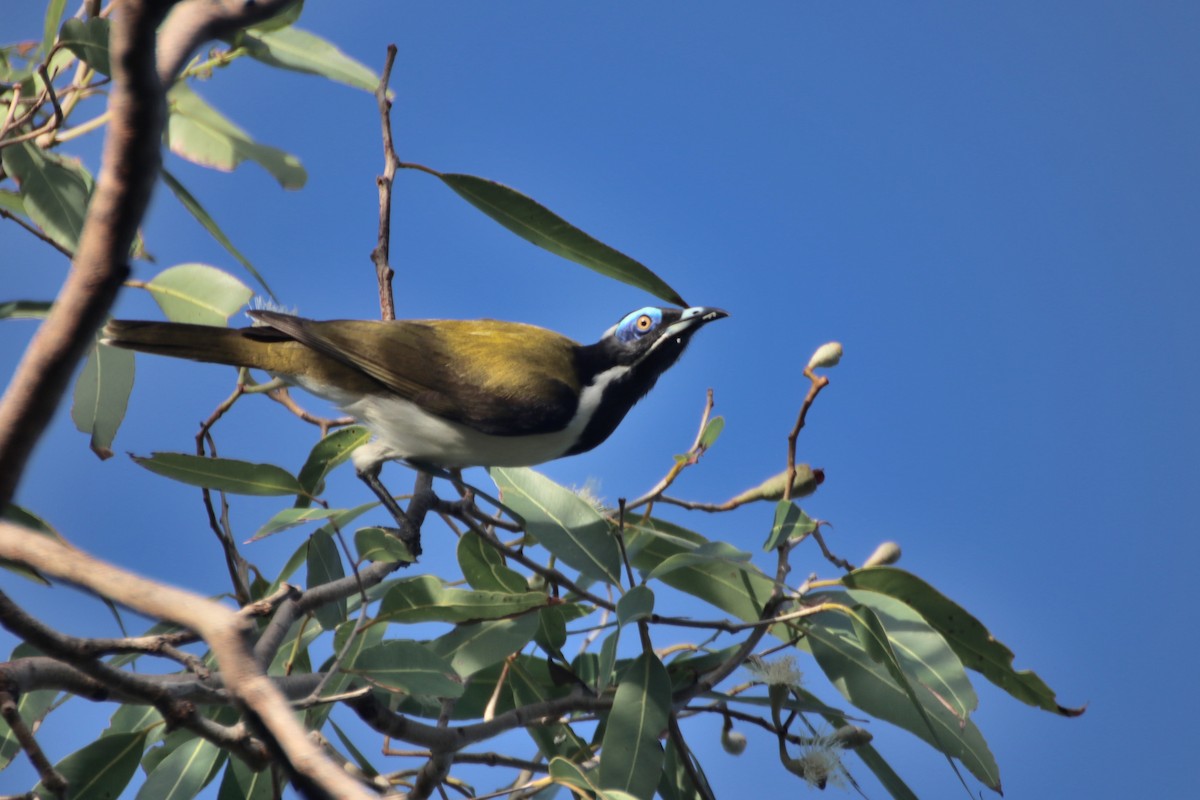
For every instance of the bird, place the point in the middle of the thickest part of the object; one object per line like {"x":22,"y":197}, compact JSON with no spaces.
{"x":447,"y":394}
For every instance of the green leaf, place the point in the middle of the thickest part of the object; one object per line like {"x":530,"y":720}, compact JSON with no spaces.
{"x":710,"y":552}
{"x":88,"y":40}
{"x":872,"y":686}
{"x":332,"y":450}
{"x":477,"y":645}
{"x":188,"y":200}
{"x":296,"y":49}
{"x":324,"y":566}
{"x":198,"y":293}
{"x":608,"y":660}
{"x":199,"y":133}
{"x":102,"y":769}
{"x":407,"y":666}
{"x":631,"y":757}
{"x":293,"y":517}
{"x":553,"y":737}
{"x":568,"y":773}
{"x":242,"y":783}
{"x":924,"y":655}
{"x":54,"y":14}
{"x":790,"y":523}
{"x":379,"y":544}
{"x":484,"y":567}
{"x":55,"y":191}
{"x":534,"y":222}
{"x":738,"y":588}
{"x":424,"y":599}
{"x":182,"y":774}
{"x":637,"y":603}
{"x":222,"y":474}
{"x":11,"y":201}
{"x":973,"y":643}
{"x":25,"y":309}
{"x":102,"y":395}
{"x":711,"y":431}
{"x":562,"y":521}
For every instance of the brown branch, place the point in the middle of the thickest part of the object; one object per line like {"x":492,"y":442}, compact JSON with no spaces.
{"x":6,"y":214}
{"x":128,"y":171}
{"x":381,"y":254}
{"x":819,"y":382}
{"x":225,"y":631}
{"x":51,"y":778}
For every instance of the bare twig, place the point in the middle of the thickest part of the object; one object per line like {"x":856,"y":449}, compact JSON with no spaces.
{"x":693,"y":454}
{"x":381,"y":254}
{"x":819,"y":382}
{"x":51,"y":778}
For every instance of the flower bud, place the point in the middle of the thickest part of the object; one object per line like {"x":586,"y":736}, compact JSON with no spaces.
{"x":827,"y":355}
{"x":733,"y":742}
{"x":886,"y":553}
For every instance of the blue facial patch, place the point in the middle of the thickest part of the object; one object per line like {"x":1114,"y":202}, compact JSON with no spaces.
{"x":639,"y":323}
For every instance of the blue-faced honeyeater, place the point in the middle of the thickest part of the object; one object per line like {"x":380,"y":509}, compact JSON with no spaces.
{"x":448,"y":393}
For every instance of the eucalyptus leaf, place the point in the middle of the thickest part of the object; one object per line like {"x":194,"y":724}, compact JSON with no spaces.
{"x":410,"y":667}
{"x":534,"y":222}
{"x":25,"y":309}
{"x":563,"y":522}
{"x":474,"y":646}
{"x":379,"y":544}
{"x":333,"y":449}
{"x":484,"y":567}
{"x":199,"y":133}
{"x":637,"y":603}
{"x":55,"y":191}
{"x":88,"y":40}
{"x":182,"y":774}
{"x":198,"y":293}
{"x":425,"y":599}
{"x":102,"y":769}
{"x":102,"y":395}
{"x":189,"y":202}
{"x":631,"y":756}
{"x":325,"y":566}
{"x":973,"y":643}
{"x":222,"y":474}
{"x":296,"y":49}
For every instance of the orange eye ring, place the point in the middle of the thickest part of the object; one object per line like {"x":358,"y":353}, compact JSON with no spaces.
{"x":644,"y":323}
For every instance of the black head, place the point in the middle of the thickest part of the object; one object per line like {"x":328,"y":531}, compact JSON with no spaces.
{"x":629,"y":358}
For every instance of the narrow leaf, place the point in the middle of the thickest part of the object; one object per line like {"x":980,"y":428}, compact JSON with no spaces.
{"x":425,"y":599}
{"x":296,"y":49}
{"x":102,"y":395}
{"x":332,"y":450}
{"x":188,"y":200}
{"x":410,"y":667}
{"x":631,"y":757}
{"x":709,"y":552}
{"x":324,"y":566}
{"x":198,"y":293}
{"x":973,"y":643}
{"x":198,"y":132}
{"x":182,"y":774}
{"x":562,"y":521}
{"x":55,"y":191}
{"x":534,"y":222}
{"x":102,"y":769}
{"x":24,"y":309}
{"x":637,"y":603}
{"x":54,"y":14}
{"x":484,"y":567}
{"x":378,"y":544}
{"x":790,"y":523}
{"x":477,"y":645}
{"x":88,"y":40}
{"x":222,"y":474}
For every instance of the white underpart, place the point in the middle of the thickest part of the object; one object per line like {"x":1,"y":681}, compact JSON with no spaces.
{"x":403,"y":430}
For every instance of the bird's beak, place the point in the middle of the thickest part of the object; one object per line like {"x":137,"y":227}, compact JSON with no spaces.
{"x":694,"y":317}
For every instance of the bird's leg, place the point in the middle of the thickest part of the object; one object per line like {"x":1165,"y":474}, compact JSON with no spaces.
{"x":408,"y":532}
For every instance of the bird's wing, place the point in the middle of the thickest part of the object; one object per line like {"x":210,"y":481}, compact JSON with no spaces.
{"x":502,"y":378}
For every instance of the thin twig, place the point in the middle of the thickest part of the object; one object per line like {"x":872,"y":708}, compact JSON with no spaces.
{"x":693,"y":455}
{"x":381,"y":254}
{"x":51,"y":778}
{"x":819,"y":382}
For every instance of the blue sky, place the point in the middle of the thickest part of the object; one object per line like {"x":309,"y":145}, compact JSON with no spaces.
{"x":993,"y":206}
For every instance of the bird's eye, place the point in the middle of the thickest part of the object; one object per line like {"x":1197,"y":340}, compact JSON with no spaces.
{"x":637,"y":324}
{"x":644,"y":323}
